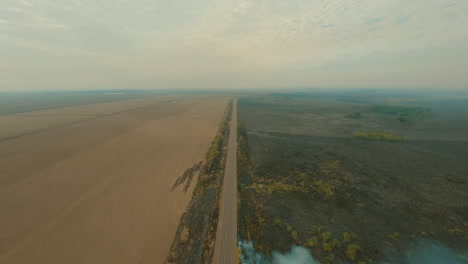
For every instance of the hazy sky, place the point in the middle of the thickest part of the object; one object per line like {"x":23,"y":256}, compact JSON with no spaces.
{"x":102,"y":44}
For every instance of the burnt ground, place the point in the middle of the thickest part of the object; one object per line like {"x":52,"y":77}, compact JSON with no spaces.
{"x":305,"y":179}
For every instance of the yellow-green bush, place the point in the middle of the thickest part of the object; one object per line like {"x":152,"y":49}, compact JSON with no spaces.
{"x":351,"y":251}
{"x":335,"y":243}
{"x":395,"y":236}
{"x":313,"y":241}
{"x":326,"y":236}
{"x":326,"y":247}
{"x":379,"y":136}
{"x":294,"y":234}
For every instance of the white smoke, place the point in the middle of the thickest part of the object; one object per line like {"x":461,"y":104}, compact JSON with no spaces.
{"x":422,"y":252}
{"x":297,"y":255}
{"x":431,"y":252}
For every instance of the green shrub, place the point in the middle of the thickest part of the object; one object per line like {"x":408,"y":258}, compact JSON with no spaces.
{"x":294,"y":234}
{"x":352,"y":250}
{"x":326,"y":236}
{"x":326,"y":247}
{"x":313,"y":241}
{"x":335,"y":243}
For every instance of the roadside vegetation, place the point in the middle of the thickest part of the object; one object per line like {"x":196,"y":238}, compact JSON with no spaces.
{"x":195,"y":238}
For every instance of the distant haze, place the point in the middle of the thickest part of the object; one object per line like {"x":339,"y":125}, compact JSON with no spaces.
{"x":143,"y":44}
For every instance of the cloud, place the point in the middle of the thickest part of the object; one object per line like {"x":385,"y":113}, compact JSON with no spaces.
{"x":374,"y":21}
{"x":215,"y":43}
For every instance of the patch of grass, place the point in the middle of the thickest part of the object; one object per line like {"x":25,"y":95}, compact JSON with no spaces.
{"x":378,"y":136}
{"x":324,"y":187}
{"x":329,"y":167}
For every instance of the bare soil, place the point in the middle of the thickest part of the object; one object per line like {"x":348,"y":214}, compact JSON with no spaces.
{"x":99,"y":190}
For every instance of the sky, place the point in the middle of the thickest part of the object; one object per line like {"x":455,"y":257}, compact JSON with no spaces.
{"x":227,"y":44}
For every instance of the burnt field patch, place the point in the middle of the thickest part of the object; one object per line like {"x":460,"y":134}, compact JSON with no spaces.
{"x":344,"y":197}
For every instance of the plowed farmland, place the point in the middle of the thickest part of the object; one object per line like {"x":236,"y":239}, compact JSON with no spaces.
{"x":93,"y":183}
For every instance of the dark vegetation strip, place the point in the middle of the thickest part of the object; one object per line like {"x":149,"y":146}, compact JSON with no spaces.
{"x":403,"y":113}
{"x":187,"y":177}
{"x":195,"y":237}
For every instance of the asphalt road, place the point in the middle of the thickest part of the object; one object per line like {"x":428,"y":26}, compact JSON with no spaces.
{"x":226,"y":235}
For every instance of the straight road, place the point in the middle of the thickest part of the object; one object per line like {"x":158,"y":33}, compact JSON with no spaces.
{"x":226,"y":234}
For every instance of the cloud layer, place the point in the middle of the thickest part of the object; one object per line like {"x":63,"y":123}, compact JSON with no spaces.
{"x":85,"y":44}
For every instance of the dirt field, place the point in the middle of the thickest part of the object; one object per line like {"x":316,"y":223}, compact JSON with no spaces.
{"x":92,"y":184}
